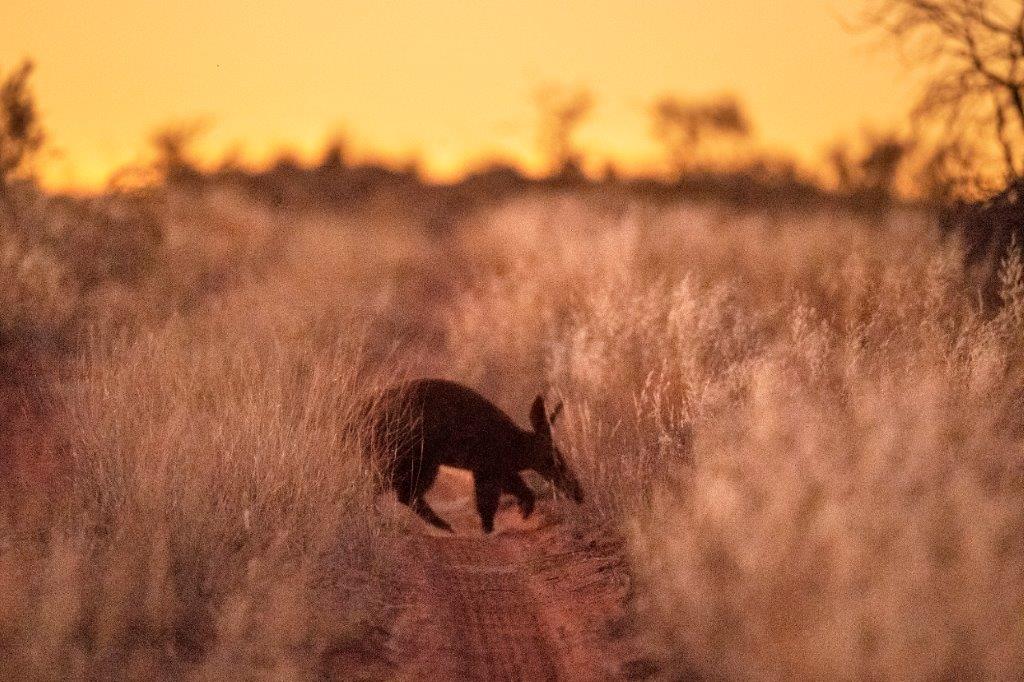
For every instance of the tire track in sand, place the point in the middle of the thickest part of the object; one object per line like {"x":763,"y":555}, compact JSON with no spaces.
{"x":480,"y":621}
{"x":531,"y":602}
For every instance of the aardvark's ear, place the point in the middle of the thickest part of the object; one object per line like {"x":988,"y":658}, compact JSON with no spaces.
{"x":554,"y":415}
{"x":538,"y":416}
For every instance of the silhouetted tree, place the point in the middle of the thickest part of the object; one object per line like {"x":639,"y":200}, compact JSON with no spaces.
{"x":945,"y":170}
{"x":973,"y":53}
{"x":870,"y":168}
{"x":21,"y":133}
{"x":335,"y":156}
{"x":562,"y":110}
{"x":842,"y":163}
{"x":337,"y":152}
{"x":175,"y":148}
{"x":21,"y":136}
{"x":683,"y":127}
{"x":881,"y":163}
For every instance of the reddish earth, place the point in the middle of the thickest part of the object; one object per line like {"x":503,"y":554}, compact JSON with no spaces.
{"x":537,"y":600}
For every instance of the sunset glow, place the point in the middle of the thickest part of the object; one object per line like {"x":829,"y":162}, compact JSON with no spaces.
{"x":449,"y":82}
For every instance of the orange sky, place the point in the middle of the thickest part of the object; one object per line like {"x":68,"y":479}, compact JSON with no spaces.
{"x":448,"y":80}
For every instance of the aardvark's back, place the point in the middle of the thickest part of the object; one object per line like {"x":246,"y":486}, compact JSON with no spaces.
{"x":449,"y":423}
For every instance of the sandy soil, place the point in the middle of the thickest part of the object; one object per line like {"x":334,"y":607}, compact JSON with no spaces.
{"x":534,"y":601}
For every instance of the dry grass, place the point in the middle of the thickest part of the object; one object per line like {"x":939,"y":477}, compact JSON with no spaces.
{"x":809,"y":429}
{"x":804,"y":424}
{"x":210,"y":512}
{"x":218,"y":510}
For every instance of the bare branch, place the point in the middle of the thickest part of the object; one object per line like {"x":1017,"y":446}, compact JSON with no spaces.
{"x":973,"y":53}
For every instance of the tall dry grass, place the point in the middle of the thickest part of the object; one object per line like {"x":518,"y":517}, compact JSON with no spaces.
{"x":804,"y":424}
{"x":212,"y":510}
{"x":808,"y":428}
{"x":217,"y":515}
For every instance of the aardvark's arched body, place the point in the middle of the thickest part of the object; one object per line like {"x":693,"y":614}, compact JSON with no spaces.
{"x":423,"y":424}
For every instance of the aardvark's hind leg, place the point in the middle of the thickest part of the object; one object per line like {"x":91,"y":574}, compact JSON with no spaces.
{"x":514,"y":485}
{"x":408,"y":496}
{"x":411,"y":484}
{"x":488,"y":490}
{"x":420,"y":506}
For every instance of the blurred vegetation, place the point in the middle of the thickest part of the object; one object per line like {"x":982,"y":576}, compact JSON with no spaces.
{"x":869,"y":167}
{"x":165,"y":232}
{"x":971,"y":108}
{"x":21,"y":133}
{"x":684,"y":127}
{"x":561,"y":112}
{"x":200,"y":331}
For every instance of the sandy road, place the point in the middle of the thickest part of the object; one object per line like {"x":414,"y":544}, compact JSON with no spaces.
{"x":478,"y":620}
{"x":531,"y":602}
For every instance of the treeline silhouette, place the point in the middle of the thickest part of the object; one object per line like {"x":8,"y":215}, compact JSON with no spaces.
{"x":708,"y":145}
{"x":335,"y":182}
{"x":61,"y":254}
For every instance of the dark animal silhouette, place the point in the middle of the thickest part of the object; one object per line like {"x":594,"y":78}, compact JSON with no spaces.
{"x":988,"y":230}
{"x":420,"y":425}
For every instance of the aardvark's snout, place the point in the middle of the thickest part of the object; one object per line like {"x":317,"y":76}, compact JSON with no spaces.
{"x":568,"y":484}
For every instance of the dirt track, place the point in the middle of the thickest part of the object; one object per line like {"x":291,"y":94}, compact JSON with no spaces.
{"x":531,"y":602}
